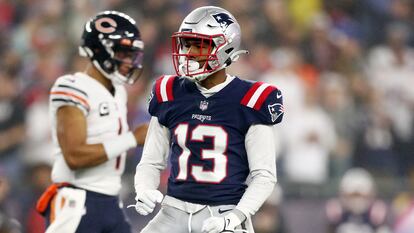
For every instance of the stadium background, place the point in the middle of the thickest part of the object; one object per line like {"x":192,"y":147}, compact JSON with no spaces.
{"x":346,"y":68}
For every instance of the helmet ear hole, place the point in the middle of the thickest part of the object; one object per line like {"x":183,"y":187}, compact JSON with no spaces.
{"x":228,"y":51}
{"x":228,"y":62}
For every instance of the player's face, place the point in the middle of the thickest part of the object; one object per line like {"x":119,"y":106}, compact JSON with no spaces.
{"x":356,"y":202}
{"x":127,"y":61}
{"x":197,"y":49}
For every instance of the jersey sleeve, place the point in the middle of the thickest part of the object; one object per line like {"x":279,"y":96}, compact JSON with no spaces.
{"x":68,"y":91}
{"x":263,"y":104}
{"x":161,"y":95}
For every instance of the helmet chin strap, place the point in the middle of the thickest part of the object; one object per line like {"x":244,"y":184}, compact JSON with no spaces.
{"x":191,"y":67}
{"x":194,"y":66}
{"x":116,"y":77}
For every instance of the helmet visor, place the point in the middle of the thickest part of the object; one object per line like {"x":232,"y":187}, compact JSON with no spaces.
{"x":129,"y":63}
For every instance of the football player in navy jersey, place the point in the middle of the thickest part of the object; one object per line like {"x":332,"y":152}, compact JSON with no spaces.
{"x":217,"y":129}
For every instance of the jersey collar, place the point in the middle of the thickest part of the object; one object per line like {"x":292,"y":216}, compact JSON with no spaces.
{"x":209,"y":92}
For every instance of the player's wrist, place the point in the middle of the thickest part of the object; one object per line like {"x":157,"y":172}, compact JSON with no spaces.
{"x":119,"y":144}
{"x":242,"y":213}
{"x":236,"y":217}
{"x":131,"y":140}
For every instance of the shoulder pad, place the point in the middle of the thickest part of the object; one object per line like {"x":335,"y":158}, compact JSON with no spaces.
{"x":266,"y":103}
{"x":67,"y":90}
{"x":164,"y":88}
{"x":70,"y":83}
{"x":257,"y":94}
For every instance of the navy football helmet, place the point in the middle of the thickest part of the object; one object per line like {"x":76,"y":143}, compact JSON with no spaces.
{"x":113,"y":42}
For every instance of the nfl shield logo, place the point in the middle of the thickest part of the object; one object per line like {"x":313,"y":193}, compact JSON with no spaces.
{"x":203,"y":105}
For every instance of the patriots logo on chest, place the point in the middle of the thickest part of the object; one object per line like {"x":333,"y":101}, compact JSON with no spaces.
{"x":223,"y":19}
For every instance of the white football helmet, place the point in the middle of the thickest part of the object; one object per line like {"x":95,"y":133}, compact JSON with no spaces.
{"x":357,"y":180}
{"x":211,"y":26}
{"x":357,"y":190}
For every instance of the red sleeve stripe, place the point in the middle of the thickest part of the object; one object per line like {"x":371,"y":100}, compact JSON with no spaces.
{"x":170,"y":83}
{"x":257,"y":94}
{"x":263,"y":97}
{"x":164,"y":88}
{"x":80,"y":99}
{"x":158,"y":89}
{"x":250,"y":93}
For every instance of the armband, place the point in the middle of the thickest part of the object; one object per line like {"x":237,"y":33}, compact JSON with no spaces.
{"x":118,"y":145}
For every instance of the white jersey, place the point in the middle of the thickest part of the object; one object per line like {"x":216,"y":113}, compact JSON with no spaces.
{"x":106,"y":118}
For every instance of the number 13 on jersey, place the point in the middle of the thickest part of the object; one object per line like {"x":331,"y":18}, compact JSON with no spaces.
{"x":217,"y":154}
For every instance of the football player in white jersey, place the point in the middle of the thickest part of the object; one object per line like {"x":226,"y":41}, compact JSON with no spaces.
{"x":90,"y":131}
{"x":218,"y":129}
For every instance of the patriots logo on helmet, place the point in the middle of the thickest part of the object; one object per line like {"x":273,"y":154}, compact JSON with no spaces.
{"x":275,"y":110}
{"x":223,"y":19}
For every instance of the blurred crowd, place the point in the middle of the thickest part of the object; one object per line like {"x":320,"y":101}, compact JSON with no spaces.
{"x":345,"y":67}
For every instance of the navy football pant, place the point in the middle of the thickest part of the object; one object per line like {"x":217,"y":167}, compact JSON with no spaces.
{"x":79,"y":211}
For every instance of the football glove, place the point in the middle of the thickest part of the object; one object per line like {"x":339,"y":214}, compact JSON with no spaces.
{"x":146,"y":201}
{"x":228,"y":223}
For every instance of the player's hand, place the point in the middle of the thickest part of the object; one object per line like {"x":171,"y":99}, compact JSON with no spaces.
{"x":146,"y":201}
{"x":140,"y":133}
{"x":228,"y":223}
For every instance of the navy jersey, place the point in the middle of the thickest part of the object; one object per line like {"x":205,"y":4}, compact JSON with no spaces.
{"x":208,"y":156}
